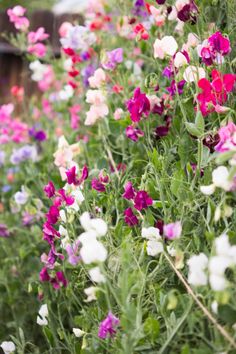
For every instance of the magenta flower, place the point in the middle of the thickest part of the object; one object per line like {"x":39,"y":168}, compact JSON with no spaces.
{"x":219,"y":43}
{"x":66,"y":198}
{"x":129,"y":191}
{"x":53,"y":214}
{"x":130,"y":218}
{"x":188,"y":12}
{"x":4,"y":232}
{"x":138,"y":105}
{"x":142,"y":200}
{"x":173,"y":230}
{"x":133,"y":133}
{"x":112,"y":58}
{"x":97,"y":185}
{"x":71,"y":176}
{"x":59,"y":280}
{"x":103,"y":177}
{"x":43,"y":275}
{"x":174,"y":86}
{"x":49,"y":233}
{"x":108,"y":326}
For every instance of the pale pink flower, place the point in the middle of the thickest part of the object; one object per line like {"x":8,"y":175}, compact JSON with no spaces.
{"x":98,"y":78}
{"x":173,"y":230}
{"x":64,"y":28}
{"x":165,"y":46}
{"x":38,"y":36}
{"x":118,"y":113}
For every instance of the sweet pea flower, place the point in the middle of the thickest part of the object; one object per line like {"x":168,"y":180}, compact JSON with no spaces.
{"x":16,"y":16}
{"x":165,"y":46}
{"x":21,"y":197}
{"x":8,"y":347}
{"x":220,"y":179}
{"x":38,"y":36}
{"x":180,"y":60}
{"x":72,"y":251}
{"x":227,"y":140}
{"x":173,"y":230}
{"x":98,"y":78}
{"x":129,"y":191}
{"x":112,"y":58}
{"x":78,"y":332}
{"x":96,"y":275}
{"x":43,"y":314}
{"x":142,"y":200}
{"x":194,"y":74}
{"x":118,"y":113}
{"x":64,"y":28}
{"x":138,"y":105}
{"x":78,"y":38}
{"x":90,"y":293}
{"x":133,"y":133}
{"x":197,"y":269}
{"x":108,"y":326}
{"x":38,"y":69}
{"x":130,"y":218}
{"x":154,"y":244}
{"x":98,"y":109}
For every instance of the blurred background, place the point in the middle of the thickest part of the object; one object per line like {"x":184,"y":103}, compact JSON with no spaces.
{"x":49,"y":14}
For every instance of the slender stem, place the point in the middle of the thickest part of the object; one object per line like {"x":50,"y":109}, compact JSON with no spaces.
{"x":224,"y":333}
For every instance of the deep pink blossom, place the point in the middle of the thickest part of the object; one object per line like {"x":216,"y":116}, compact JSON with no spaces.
{"x":49,"y":189}
{"x":219,"y":43}
{"x":53,"y":214}
{"x":108,"y":326}
{"x":138,"y":105}
{"x":71,"y":175}
{"x":59,"y":280}
{"x":142,"y":200}
{"x":130,"y":218}
{"x":66,"y":198}
{"x":37,"y":49}
{"x":49,"y":233}
{"x":43,"y":275}
{"x":129,"y":191}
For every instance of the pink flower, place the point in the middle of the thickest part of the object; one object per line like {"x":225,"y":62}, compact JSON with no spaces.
{"x":38,"y":36}
{"x":133,"y":133}
{"x":38,"y":49}
{"x":129,"y":191}
{"x":74,"y":117}
{"x":118,"y":113}
{"x":49,"y":189}
{"x":138,"y":105}
{"x":173,"y":230}
{"x":227,"y":138}
{"x":98,"y":78}
{"x":16,"y":16}
{"x":66,"y":198}
{"x":142,"y":200}
{"x":53,"y":214}
{"x":108,"y":326}
{"x":43,"y":275}
{"x":130,"y":218}
{"x":59,"y":281}
{"x":64,"y":28}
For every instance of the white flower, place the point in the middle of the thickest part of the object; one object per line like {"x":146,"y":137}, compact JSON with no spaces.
{"x":97,"y":225}
{"x":208,"y":190}
{"x":96,"y":275}
{"x":172,"y":251}
{"x":151,"y":233}
{"x":193,"y":74}
{"x":91,"y":293}
{"x":43,"y":314}
{"x":222,"y":245}
{"x":180,"y":60}
{"x":219,"y":264}
{"x":197,"y":265}
{"x":8,"y":347}
{"x":66,"y":93}
{"x":38,"y":70}
{"x":93,"y":252}
{"x":165,"y":46}
{"x":78,"y":197}
{"x":21,"y":197}
{"x":78,"y":332}
{"x":220,"y":178}
{"x":217,"y":282}
{"x":214,"y":306}
{"x":154,"y":248}
{"x":63,"y":215}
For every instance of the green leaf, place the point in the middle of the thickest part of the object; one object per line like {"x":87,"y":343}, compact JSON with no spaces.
{"x":151,"y":328}
{"x":227,"y":314}
{"x":193,"y":130}
{"x":199,"y":122}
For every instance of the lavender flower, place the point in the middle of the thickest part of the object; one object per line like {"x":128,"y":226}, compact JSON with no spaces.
{"x":2,"y":157}
{"x":4,"y":232}
{"x":27,"y":152}
{"x":111,"y":59}
{"x":78,"y":38}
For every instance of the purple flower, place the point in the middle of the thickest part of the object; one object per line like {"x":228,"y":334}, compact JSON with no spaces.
{"x":97,"y":185}
{"x":188,"y":12}
{"x":39,"y":135}
{"x":133,"y":133}
{"x":219,"y":43}
{"x":129,"y":191}
{"x":112,"y":58}
{"x":138,"y":105}
{"x":43,"y":275}
{"x":130,"y":218}
{"x":173,"y":230}
{"x":108,"y":326}
{"x":86,"y":73}
{"x":176,"y":86}
{"x":168,"y":72}
{"x":6,"y":188}
{"x":59,"y":280}
{"x":27,"y":152}
{"x":4,"y":232}
{"x":71,"y":176}
{"x":160,"y":2}
{"x":142,"y":200}
{"x":72,"y":251}
{"x":139,"y":9}
{"x":49,"y":189}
